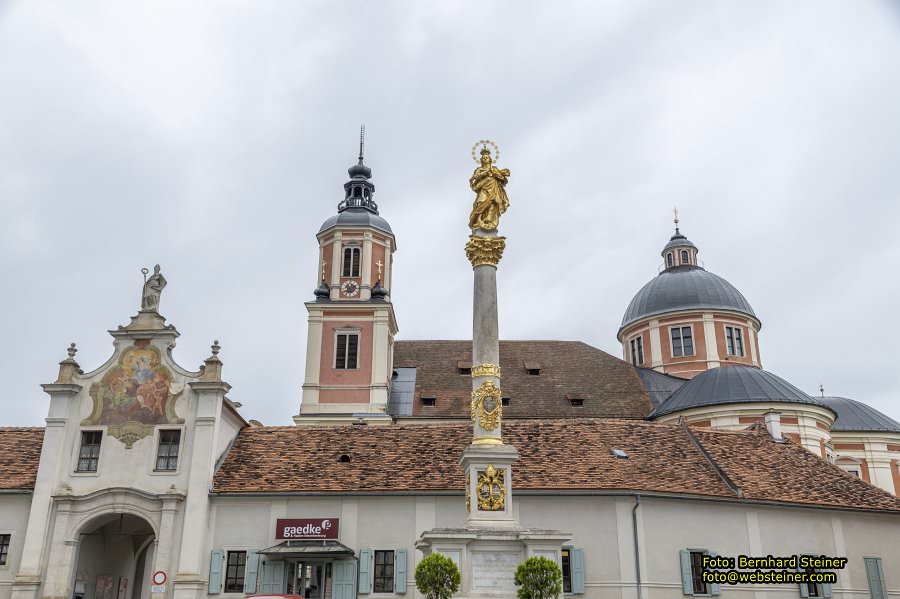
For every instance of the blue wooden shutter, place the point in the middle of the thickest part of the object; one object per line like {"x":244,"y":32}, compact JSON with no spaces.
{"x":400,"y":571}
{"x":365,"y":571}
{"x":216,"y":560}
{"x":804,"y":588}
{"x":577,"y":565}
{"x":687,"y":580}
{"x":875,"y":574}
{"x":715,"y":589}
{"x":250,"y":572}
{"x":343,"y":580}
{"x":272,"y":578}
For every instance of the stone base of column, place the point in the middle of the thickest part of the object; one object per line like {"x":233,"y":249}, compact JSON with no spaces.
{"x":488,"y":557}
{"x":489,"y":485}
{"x":26,"y":587}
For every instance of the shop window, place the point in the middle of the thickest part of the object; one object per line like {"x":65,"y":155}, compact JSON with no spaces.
{"x":351,"y":262}
{"x":637,"y":351}
{"x":89,"y":453}
{"x":384,"y":572}
{"x":167,"y":451}
{"x":234,"y":571}
{"x":346,"y":351}
{"x":682,"y":341}
{"x":734,"y":341}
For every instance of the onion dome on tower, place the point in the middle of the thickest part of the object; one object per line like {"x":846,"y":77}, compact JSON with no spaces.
{"x":687,"y":319}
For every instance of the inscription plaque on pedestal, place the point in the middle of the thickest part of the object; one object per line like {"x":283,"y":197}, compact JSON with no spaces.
{"x":494,"y":571}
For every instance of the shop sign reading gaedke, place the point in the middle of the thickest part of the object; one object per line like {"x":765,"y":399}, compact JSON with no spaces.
{"x":306,"y":528}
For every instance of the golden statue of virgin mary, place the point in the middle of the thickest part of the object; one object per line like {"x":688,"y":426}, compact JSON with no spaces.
{"x":489,"y":184}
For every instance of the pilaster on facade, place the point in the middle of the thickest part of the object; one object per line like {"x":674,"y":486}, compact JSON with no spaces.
{"x":656,"y":360}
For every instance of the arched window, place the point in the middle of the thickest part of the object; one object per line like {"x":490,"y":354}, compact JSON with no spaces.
{"x":351,"y":262}
{"x":670,"y":260}
{"x":685,"y":259}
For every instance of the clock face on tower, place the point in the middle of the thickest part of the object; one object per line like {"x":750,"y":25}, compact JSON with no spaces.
{"x":350,"y":288}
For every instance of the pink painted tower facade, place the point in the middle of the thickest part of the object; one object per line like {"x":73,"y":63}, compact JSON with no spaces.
{"x":351,"y":322}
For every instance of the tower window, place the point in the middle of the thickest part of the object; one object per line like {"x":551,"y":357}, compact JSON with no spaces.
{"x":734,"y":341}
{"x":89,"y":452}
{"x":351,"y":262}
{"x":685,"y":259}
{"x":670,"y":259}
{"x":346,"y":351}
{"x":637,"y":351}
{"x":682,"y":341}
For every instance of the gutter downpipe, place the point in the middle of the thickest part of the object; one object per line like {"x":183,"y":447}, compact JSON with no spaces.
{"x":637,"y":549}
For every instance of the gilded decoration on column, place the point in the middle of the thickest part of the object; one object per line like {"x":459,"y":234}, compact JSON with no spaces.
{"x":486,"y":370}
{"x":491,"y":490}
{"x":487,"y":404}
{"x":485,"y":250}
{"x":489,"y":184}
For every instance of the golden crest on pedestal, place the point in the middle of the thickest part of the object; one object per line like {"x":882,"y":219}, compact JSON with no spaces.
{"x":487,"y":405}
{"x":486,"y":370}
{"x":491,"y":489}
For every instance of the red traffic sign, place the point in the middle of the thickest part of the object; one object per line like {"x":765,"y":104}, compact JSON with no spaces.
{"x":159,"y":577}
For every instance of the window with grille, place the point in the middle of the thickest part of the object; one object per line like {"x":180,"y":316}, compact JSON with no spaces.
{"x":234,"y":571}
{"x":167,"y":451}
{"x":384,"y":572}
{"x":346,"y":351}
{"x":351,"y":262}
{"x":682,"y":341}
{"x":89,"y":452}
{"x":4,"y":548}
{"x":734,"y":341}
{"x":637,"y":351}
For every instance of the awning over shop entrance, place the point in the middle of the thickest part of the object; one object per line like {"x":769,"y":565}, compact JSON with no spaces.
{"x":309,"y":549}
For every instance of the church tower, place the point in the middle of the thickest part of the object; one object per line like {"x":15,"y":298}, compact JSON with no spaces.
{"x":351,"y":321}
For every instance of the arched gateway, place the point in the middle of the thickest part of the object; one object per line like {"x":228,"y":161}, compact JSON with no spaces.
{"x":114,"y":558}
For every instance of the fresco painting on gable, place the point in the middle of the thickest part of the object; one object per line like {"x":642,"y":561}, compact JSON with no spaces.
{"x":134,"y":396}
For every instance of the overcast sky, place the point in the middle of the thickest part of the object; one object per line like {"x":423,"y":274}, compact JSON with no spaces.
{"x":214,"y":138}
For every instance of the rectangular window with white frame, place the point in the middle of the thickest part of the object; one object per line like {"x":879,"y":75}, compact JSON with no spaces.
{"x":682,"y":341}
{"x":383,"y":579}
{"x":346,"y":354}
{"x":637,"y":350}
{"x":89,"y":451}
{"x":351,"y":262}
{"x":692,"y":582}
{"x":235,"y":567}
{"x":167,"y":450}
{"x":734,"y":341}
{"x":4,"y":548}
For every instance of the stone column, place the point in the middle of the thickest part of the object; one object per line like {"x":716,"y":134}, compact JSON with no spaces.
{"x":487,"y":461}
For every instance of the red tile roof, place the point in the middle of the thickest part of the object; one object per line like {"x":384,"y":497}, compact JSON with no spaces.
{"x":20,"y":453}
{"x":561,"y":455}
{"x":608,"y":386}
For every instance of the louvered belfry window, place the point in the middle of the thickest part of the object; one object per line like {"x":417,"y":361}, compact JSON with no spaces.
{"x":351,"y":262}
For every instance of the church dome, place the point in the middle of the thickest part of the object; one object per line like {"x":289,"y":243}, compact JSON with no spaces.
{"x":685,"y":287}
{"x":856,"y":416}
{"x":734,"y":385}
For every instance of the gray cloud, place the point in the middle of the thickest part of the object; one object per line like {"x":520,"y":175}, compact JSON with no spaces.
{"x":214,"y":140}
